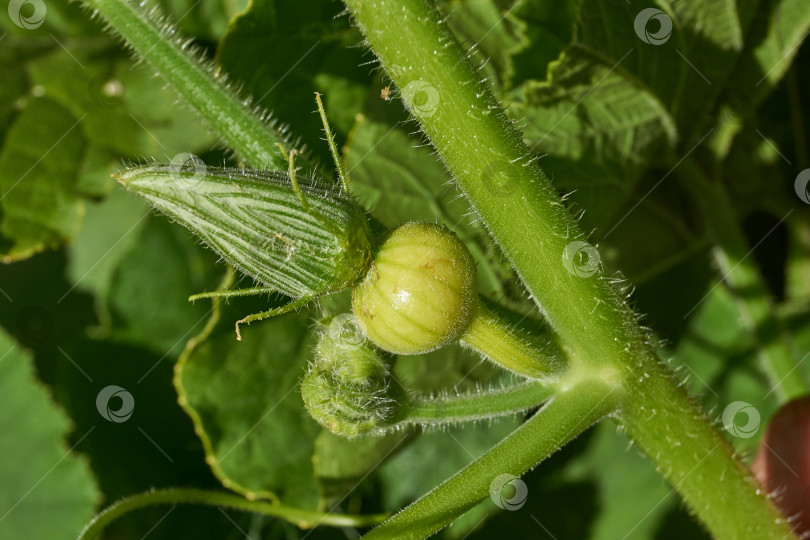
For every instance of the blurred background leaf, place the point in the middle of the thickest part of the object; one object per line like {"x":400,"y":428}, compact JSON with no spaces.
{"x":41,"y":476}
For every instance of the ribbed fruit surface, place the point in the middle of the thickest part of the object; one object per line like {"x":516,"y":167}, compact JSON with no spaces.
{"x":420,"y":293}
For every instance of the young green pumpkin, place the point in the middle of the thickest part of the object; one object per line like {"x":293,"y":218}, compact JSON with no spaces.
{"x":420,"y":292}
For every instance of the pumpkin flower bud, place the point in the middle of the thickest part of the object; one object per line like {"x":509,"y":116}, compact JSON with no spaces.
{"x":257,"y":223}
{"x":420,"y":292}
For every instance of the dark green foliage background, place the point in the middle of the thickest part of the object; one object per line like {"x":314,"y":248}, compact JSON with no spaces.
{"x":94,"y":286}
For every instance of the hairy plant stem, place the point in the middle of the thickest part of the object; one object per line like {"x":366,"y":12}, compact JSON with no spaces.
{"x":564,"y":417}
{"x":478,"y":144}
{"x":251,"y":137}
{"x":511,"y":349}
{"x":741,"y":274}
{"x":471,"y":406}
{"x":302,"y":518}
{"x":697,"y":460}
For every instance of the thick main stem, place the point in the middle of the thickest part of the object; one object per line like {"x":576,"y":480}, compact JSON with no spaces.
{"x":493,"y":167}
{"x":697,"y":460}
{"x":481,"y":147}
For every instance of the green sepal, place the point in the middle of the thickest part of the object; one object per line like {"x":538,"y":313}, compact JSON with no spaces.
{"x":255,"y":221}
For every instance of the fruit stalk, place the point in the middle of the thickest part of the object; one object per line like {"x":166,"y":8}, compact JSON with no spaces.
{"x":490,"y":335}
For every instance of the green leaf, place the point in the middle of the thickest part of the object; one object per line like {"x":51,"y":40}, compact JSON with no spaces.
{"x":651,"y":239}
{"x":777,"y":30}
{"x":309,"y":44}
{"x":122,"y":108}
{"x":164,"y":129}
{"x":40,"y":475}
{"x":156,"y":313}
{"x":795,"y":317}
{"x":632,"y":497}
{"x":798,"y":263}
{"x":207,"y":19}
{"x":414,"y":184}
{"x":341,"y":465}
{"x":62,"y":19}
{"x":118,"y":111}
{"x":246,"y":406}
{"x":434,"y":457}
{"x":616,"y":97}
{"x":15,"y":84}
{"x":39,"y":168}
{"x":42,"y":316}
{"x":110,"y":229}
{"x":76,"y":81}
{"x":706,"y":38}
{"x":452,"y":367}
{"x":549,"y":29}
{"x":599,"y":126}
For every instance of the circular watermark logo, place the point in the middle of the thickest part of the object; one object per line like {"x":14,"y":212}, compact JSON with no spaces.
{"x":28,"y":14}
{"x":106,"y":91}
{"x":643,"y":22}
{"x":508,"y":492}
{"x":801,"y":186}
{"x":495,"y":177}
{"x":581,"y":259}
{"x":189,"y":168}
{"x":421,"y":98}
{"x":35,"y":325}
{"x":344,"y":329}
{"x":124,"y":411}
{"x":731,"y":415}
